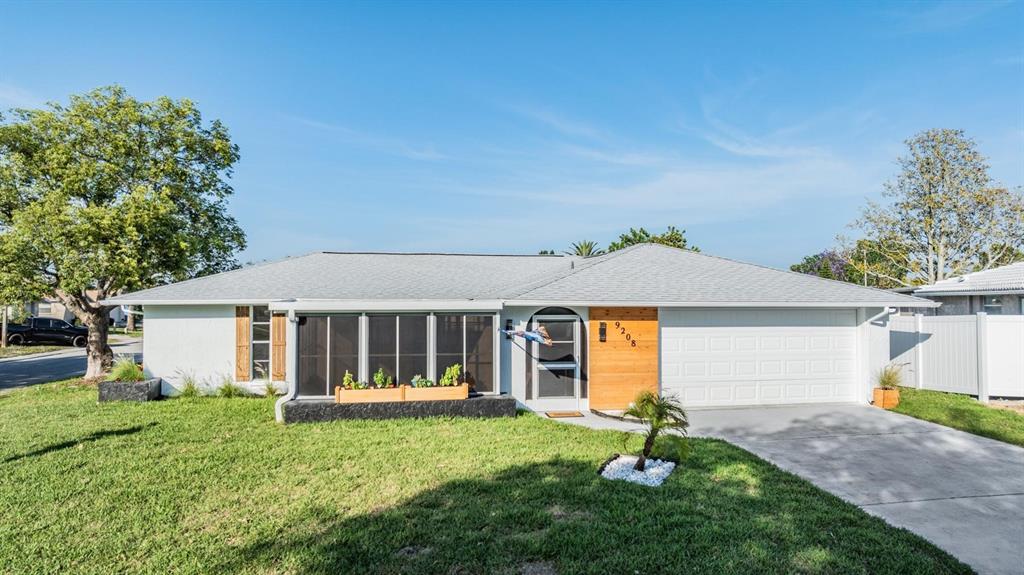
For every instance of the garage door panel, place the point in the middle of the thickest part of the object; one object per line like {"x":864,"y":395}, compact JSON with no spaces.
{"x":751,"y":357}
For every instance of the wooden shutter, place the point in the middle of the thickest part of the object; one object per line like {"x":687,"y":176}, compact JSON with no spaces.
{"x":243,"y":332}
{"x":278,"y":325}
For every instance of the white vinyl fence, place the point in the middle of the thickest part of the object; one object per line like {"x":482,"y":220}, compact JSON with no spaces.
{"x":979,"y":354}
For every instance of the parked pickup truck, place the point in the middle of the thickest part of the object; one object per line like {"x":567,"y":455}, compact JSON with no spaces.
{"x":46,"y":330}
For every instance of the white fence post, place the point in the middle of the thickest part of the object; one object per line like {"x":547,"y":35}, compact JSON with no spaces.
{"x":919,"y":350}
{"x":982,"y":357}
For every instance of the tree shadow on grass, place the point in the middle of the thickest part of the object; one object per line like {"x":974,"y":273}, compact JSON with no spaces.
{"x":723,"y":512}
{"x":94,"y":436}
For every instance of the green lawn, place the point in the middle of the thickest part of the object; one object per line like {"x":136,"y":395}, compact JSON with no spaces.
{"x":962,"y":412}
{"x":214,"y":485}
{"x":22,"y":350}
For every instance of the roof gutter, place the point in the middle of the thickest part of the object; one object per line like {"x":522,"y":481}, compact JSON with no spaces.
{"x":920,"y":303}
{"x":307,"y":305}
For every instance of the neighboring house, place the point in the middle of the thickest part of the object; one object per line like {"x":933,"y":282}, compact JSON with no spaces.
{"x":713,"y":331}
{"x":998,"y":291}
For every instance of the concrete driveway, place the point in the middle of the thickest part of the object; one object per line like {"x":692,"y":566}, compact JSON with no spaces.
{"x":962,"y":492}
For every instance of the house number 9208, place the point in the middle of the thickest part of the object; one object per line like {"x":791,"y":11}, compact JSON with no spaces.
{"x":625,"y":333}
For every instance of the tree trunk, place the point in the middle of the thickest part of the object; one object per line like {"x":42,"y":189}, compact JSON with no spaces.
{"x":97,"y":351}
{"x":3,"y":328}
{"x":129,"y":321}
{"x":641,"y":461}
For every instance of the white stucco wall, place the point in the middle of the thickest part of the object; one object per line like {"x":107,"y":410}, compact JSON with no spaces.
{"x":197,"y":340}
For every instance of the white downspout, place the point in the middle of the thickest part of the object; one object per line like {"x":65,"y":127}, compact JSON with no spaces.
{"x":291,"y":345}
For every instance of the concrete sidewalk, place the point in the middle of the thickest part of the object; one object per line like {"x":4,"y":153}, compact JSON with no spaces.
{"x":962,"y":492}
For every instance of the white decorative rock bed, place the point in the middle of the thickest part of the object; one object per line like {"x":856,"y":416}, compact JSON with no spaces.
{"x":621,"y":467}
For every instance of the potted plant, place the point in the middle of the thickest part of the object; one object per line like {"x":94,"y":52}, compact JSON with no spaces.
{"x":887,"y":392}
{"x":127,"y":382}
{"x":448,"y":387}
{"x":352,"y":391}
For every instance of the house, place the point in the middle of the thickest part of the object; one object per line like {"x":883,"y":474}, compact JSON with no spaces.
{"x":714,"y":331}
{"x":998,"y":291}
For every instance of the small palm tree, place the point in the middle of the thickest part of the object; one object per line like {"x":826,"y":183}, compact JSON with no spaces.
{"x":659,"y":414}
{"x":585,"y":248}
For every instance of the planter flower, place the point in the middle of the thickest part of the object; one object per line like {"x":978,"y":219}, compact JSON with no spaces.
{"x":887,"y":394}
{"x":127,"y":382}
{"x":447,"y":388}
{"x":351,"y":391}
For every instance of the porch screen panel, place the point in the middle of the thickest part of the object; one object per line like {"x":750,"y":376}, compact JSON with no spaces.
{"x":412,"y":347}
{"x":312,"y":376}
{"x":479,"y":368}
{"x":383,"y":352}
{"x":449,"y":342}
{"x":344,"y":350}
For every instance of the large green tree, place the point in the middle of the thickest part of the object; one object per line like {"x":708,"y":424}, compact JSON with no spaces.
{"x":108,"y":194}
{"x":944,"y":216}
{"x":671,"y":237}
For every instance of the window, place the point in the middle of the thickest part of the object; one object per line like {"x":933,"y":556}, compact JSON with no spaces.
{"x":383,"y":350}
{"x":344,"y":348}
{"x":467,"y":340}
{"x":44,"y":308}
{"x":412,"y":347}
{"x":313,"y":355}
{"x":260,"y":342}
{"x":398,"y":345}
{"x":478,"y":369}
{"x":328,"y":347}
{"x":992,"y":304}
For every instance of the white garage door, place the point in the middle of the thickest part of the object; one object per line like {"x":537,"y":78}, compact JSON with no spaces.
{"x":717,"y":358}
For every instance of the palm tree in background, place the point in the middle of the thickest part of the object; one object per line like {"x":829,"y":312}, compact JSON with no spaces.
{"x":585,"y":248}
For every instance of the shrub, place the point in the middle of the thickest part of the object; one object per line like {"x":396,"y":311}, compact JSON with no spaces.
{"x":889,"y":377}
{"x":659,"y":414}
{"x":190,"y":390}
{"x":382,"y":380}
{"x":420,"y":381}
{"x":451,"y":375}
{"x":228,"y":388}
{"x":125,"y":369}
{"x":269,"y":390}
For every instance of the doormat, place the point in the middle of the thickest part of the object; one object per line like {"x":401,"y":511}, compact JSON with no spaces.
{"x":559,"y":414}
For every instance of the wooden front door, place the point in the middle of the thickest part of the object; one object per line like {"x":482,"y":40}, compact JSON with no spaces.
{"x":626,"y":362}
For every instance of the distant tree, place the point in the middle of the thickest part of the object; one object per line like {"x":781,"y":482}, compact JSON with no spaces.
{"x":110,"y":194}
{"x":1000,"y":256}
{"x":672,"y":237}
{"x":585,"y":248}
{"x":850,"y":264}
{"x":831,"y":264}
{"x":944,"y":217}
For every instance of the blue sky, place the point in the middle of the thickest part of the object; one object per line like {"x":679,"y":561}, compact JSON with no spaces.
{"x":759,"y":128}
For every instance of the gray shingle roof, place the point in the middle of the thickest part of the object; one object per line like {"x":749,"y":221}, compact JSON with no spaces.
{"x":1008,"y":278}
{"x":658,"y":274}
{"x":645,"y":274}
{"x":361,"y":276}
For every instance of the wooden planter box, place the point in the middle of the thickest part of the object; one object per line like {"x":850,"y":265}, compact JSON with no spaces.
{"x":886,"y":398}
{"x":342,"y":395}
{"x":436,"y":392}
